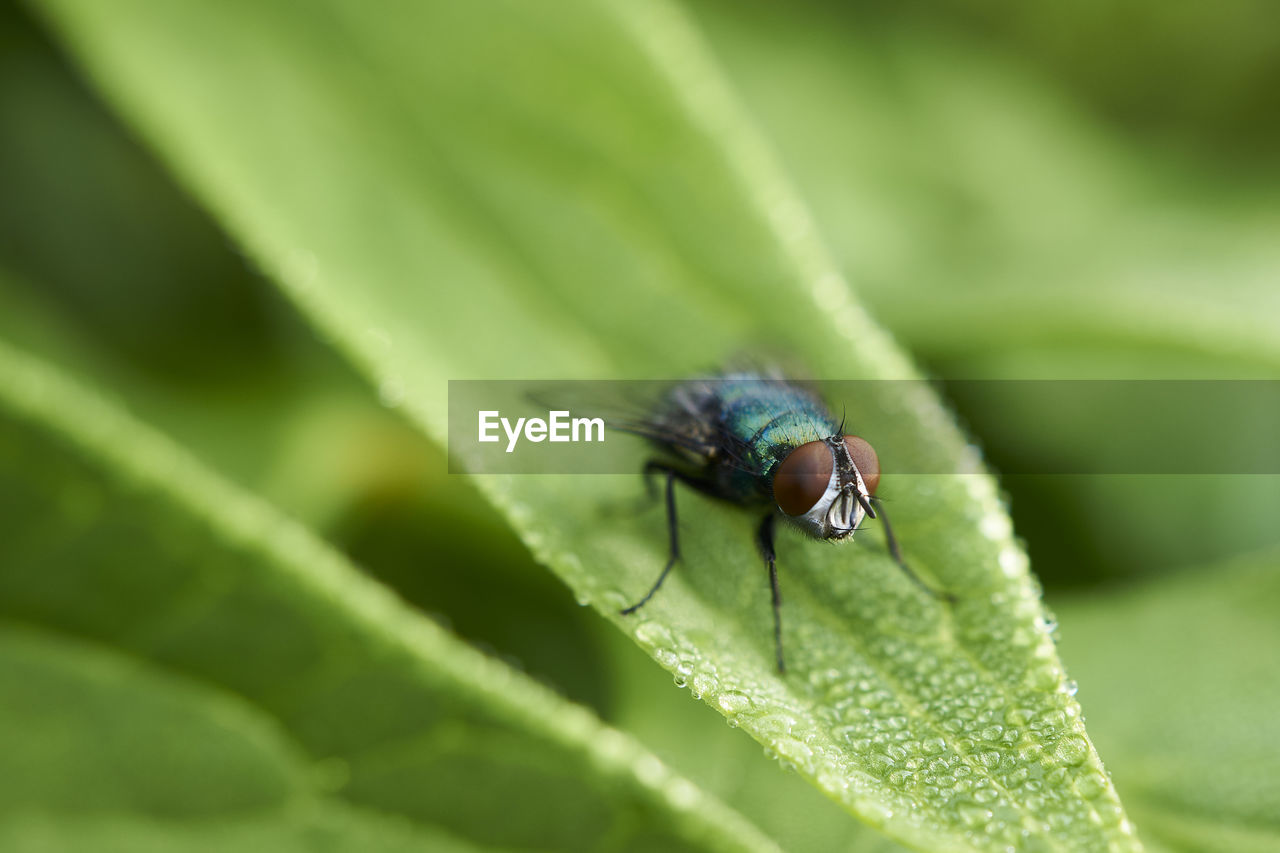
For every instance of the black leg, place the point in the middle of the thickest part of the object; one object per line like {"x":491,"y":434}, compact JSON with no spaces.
{"x":673,"y":534}
{"x":650,"y":468}
{"x":892,"y":542}
{"x":764,"y":538}
{"x":645,"y":503}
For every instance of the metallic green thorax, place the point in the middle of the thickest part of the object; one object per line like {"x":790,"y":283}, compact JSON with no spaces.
{"x":744,"y":425}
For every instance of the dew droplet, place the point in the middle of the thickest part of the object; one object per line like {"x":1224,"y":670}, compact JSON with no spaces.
{"x":775,"y":725}
{"x":733,"y":703}
{"x":1043,"y":677}
{"x":701,"y":685}
{"x":1070,"y":750}
{"x":794,"y":751}
{"x":986,"y":795}
{"x":1050,"y":720}
{"x":653,"y":635}
{"x":613,"y":600}
{"x":1091,"y":785}
{"x":666,"y":658}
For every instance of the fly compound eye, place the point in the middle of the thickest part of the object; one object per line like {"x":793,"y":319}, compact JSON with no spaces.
{"x":802,"y":477}
{"x":864,"y":457}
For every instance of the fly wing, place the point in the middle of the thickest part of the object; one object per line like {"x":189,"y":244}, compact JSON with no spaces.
{"x":685,"y":418}
{"x":643,"y":408}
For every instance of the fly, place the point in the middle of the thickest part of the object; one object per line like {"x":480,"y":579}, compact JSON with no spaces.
{"x":764,"y":442}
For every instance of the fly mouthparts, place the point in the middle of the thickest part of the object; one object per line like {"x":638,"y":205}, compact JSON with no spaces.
{"x":840,"y":516}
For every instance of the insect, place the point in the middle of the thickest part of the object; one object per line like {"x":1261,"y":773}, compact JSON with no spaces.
{"x":764,"y":442}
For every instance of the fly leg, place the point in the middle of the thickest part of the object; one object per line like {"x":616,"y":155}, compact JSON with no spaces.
{"x":673,"y":533}
{"x":891,"y":542}
{"x":764,"y":538}
{"x":627,"y":508}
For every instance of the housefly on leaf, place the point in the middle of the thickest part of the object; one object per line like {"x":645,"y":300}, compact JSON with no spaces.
{"x":764,"y":442}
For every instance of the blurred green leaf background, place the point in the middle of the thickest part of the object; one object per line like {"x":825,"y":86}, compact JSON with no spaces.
{"x":1068,"y":192}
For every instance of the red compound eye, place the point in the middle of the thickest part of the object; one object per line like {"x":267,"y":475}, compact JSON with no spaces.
{"x":865,"y":458}
{"x":803,"y":476}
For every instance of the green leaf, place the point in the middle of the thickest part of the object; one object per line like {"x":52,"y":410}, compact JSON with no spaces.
{"x":1000,"y":229}
{"x":693,"y":737}
{"x":489,"y":189}
{"x":1179,"y":679}
{"x":104,"y":751}
{"x":220,"y":364}
{"x":202,"y":663}
{"x":960,"y":186}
